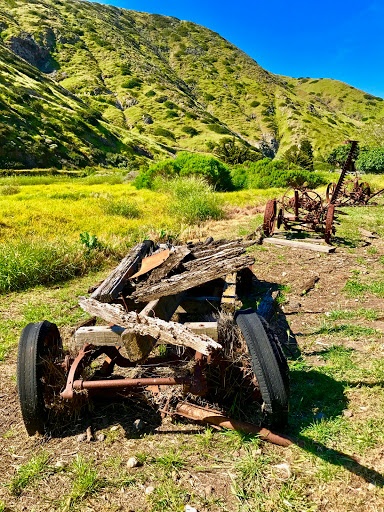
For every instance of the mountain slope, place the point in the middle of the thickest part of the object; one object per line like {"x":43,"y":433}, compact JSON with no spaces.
{"x":177,"y":84}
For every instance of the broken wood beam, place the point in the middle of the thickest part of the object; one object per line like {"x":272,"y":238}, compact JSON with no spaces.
{"x":111,"y":287}
{"x":98,"y":335}
{"x":207,"y":328}
{"x":163,"y":332}
{"x":191,"y":279}
{"x":300,"y":245}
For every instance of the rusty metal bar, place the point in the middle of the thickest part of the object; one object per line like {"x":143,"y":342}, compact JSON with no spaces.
{"x":212,"y":417}
{"x":127,"y":383}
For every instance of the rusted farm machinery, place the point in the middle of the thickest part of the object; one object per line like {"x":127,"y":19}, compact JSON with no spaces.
{"x":183,"y":366}
{"x":300,"y":210}
{"x":353,"y":192}
{"x":304,"y":209}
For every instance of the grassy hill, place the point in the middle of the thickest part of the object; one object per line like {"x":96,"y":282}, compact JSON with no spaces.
{"x":104,"y":81}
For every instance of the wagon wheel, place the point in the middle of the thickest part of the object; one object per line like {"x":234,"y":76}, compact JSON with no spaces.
{"x":288,"y":200}
{"x":269,"y":366}
{"x":329,"y":223}
{"x":40,"y":348}
{"x":310,"y":200}
{"x":330,"y":190}
{"x":270,"y":217}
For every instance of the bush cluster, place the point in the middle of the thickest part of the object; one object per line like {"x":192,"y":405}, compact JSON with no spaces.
{"x":212,"y":170}
{"x":267,"y":173}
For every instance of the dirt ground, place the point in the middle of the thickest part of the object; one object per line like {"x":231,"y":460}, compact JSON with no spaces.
{"x":203,"y":466}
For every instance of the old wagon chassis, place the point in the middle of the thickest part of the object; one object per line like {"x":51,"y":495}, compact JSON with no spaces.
{"x":164,"y":280}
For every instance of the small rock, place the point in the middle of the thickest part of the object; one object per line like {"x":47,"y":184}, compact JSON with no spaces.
{"x":283,"y":274}
{"x":356,"y":300}
{"x":149,"y":490}
{"x":320,"y":416}
{"x":348,"y":414}
{"x":132,"y":462}
{"x":188,"y":508}
{"x":138,"y":425}
{"x":100,"y":437}
{"x":60,"y":464}
{"x":81,"y":437}
{"x":114,"y":428}
{"x":209,"y":490}
{"x":371,"y":487}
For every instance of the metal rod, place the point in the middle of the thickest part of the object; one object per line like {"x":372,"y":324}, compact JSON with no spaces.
{"x":194,"y":412}
{"x":126,"y":383}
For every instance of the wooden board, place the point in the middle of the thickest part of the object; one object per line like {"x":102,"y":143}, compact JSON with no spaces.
{"x":300,"y":245}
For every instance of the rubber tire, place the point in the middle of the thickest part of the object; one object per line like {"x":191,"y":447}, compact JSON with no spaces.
{"x":269,"y":366}
{"x":37,"y":341}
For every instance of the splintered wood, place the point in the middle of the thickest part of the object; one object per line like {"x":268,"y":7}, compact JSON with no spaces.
{"x":157,"y":286}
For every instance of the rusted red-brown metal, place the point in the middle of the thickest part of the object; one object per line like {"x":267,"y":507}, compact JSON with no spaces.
{"x":80,"y":385}
{"x":269,"y":217}
{"x":212,"y":417}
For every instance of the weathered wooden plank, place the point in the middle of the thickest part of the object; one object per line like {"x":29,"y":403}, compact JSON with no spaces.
{"x":207,"y":328}
{"x":98,"y":335}
{"x":173,"y":261}
{"x":299,"y":245}
{"x":308,"y":285}
{"x":164,"y":307}
{"x":163,"y":332}
{"x":115,"y":282}
{"x":191,"y":279}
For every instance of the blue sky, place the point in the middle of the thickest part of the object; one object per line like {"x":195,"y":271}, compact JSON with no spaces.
{"x":325,"y":39}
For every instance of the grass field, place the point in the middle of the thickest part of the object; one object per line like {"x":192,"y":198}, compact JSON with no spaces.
{"x":337,"y":371}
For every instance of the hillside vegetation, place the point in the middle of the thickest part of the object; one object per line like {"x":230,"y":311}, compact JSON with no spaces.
{"x":85,"y":83}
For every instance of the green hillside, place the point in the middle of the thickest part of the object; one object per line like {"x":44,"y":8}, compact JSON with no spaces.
{"x":104,"y":84}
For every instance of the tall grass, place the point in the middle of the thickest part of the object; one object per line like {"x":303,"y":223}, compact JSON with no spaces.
{"x":194,"y":200}
{"x":23,"y":264}
{"x":123,"y":207}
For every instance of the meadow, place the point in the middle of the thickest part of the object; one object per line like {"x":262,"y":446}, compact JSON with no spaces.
{"x":336,"y":376}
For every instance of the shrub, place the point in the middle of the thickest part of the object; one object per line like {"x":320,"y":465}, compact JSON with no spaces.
{"x":255,"y":103}
{"x":121,"y":207}
{"x":194,"y":200}
{"x":208,"y":97}
{"x":125,"y":68}
{"x":338,"y":155}
{"x":371,"y":160}
{"x":162,"y":132}
{"x":171,"y":114}
{"x":189,"y":130}
{"x":186,"y":164}
{"x":170,"y":105}
{"x":131,"y":84}
{"x":150,"y":93}
{"x":218,"y":128}
{"x":269,"y":173}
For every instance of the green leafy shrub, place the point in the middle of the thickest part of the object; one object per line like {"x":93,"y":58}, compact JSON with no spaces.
{"x":338,"y":155}
{"x":171,"y":114}
{"x":189,"y":130}
{"x":125,"y":68}
{"x":131,"y":84}
{"x":162,"y":132}
{"x":208,"y":97}
{"x":255,"y":103}
{"x":267,"y":173}
{"x":194,"y":200}
{"x":90,"y":242}
{"x":150,"y":93}
{"x":170,"y":105}
{"x":212,"y":170}
{"x":218,"y":128}
{"x":371,"y":160}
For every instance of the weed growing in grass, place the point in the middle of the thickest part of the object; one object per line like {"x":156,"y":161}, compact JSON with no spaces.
{"x":349,"y":330}
{"x":343,"y":314}
{"x":355,"y":288}
{"x":85,"y":481}
{"x":170,"y":460}
{"x":194,"y":200}
{"x":35,"y":468}
{"x":168,"y":496}
{"x":90,"y":242}
{"x":122,"y":207}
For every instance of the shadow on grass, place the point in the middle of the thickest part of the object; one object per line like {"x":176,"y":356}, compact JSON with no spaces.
{"x":314,"y":391}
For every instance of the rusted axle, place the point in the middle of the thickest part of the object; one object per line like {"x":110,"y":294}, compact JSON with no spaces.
{"x":212,"y":417}
{"x":80,"y":385}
